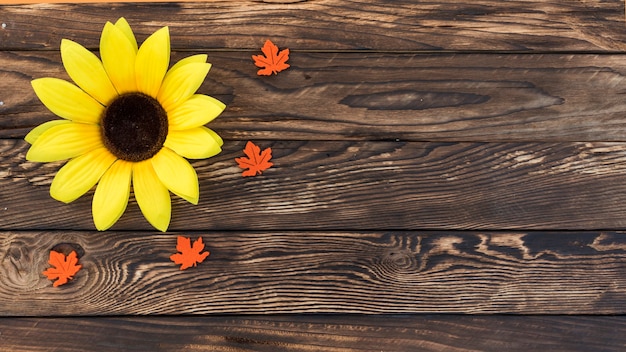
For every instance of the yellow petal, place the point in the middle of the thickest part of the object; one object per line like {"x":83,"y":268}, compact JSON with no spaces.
{"x":153,"y":58}
{"x":216,"y":136}
{"x":194,"y":143}
{"x":176,"y":174}
{"x":123,"y":25}
{"x":151,"y":195}
{"x":80,"y":174}
{"x":32,"y":136}
{"x":182,"y":84}
{"x":67,"y":100}
{"x":111,"y":197}
{"x":200,"y":58}
{"x":87,"y":71}
{"x":65,"y":141}
{"x":118,"y":57}
{"x":196,"y":111}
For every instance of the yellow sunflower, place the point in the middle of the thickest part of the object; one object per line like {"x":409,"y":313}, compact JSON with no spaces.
{"x":127,"y":120}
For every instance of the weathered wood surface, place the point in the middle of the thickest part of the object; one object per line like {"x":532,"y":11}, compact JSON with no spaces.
{"x":336,"y":25}
{"x":319,"y":333}
{"x":347,"y":185}
{"x":505,"y":118}
{"x":127,"y":273}
{"x":467,"y":97}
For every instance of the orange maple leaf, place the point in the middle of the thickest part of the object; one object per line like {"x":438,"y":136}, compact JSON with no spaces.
{"x":272,"y":60}
{"x":64,"y":268}
{"x":256,"y":161}
{"x":189,"y":256}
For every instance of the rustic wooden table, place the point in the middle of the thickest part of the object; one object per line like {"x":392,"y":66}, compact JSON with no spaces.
{"x":448,"y":176}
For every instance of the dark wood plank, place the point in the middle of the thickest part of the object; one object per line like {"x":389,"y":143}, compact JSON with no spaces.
{"x":307,"y":333}
{"x":362,"y":185}
{"x":335,"y":24}
{"x":383,"y":96}
{"x":126,"y":273}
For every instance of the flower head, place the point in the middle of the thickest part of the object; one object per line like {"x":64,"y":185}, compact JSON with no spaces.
{"x":127,"y":120}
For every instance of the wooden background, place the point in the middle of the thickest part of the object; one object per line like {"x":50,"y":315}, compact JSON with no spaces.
{"x":449,"y":176}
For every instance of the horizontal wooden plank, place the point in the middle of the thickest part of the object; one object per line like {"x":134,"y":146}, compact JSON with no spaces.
{"x":22,"y":2}
{"x":130,"y":273}
{"x":334,"y":24}
{"x":361,"y":185}
{"x":383,"y":96}
{"x":306,"y":333}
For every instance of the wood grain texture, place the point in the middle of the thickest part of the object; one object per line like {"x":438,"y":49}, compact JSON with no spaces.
{"x":126,"y":273}
{"x":335,"y":24}
{"x":396,"y":131}
{"x":333,"y":185}
{"x":478,"y":97}
{"x":316,"y":333}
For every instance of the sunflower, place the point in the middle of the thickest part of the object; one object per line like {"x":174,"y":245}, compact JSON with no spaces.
{"x":126,"y":120}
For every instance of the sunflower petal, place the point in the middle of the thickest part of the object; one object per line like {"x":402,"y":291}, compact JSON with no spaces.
{"x":182,"y":84}
{"x":216,"y":136}
{"x":65,"y":141}
{"x":200,"y":58}
{"x":196,"y":111}
{"x":32,"y":136}
{"x":153,"y":58}
{"x":87,"y":71}
{"x":67,"y":100}
{"x":123,"y":25}
{"x":80,"y":174}
{"x":194,"y":143}
{"x":176,"y":174}
{"x":111,"y":196}
{"x":118,"y":58}
{"x":151,"y":195}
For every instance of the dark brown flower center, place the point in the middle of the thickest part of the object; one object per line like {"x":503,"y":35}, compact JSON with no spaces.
{"x":134,"y":127}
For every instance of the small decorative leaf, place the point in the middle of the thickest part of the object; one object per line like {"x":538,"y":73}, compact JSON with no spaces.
{"x":64,"y":268}
{"x":272,"y":60}
{"x":189,"y":256}
{"x":256,"y":161}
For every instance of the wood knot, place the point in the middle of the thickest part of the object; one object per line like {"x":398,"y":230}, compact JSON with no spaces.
{"x":400,"y":260}
{"x":405,"y":99}
{"x":67,"y":248}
